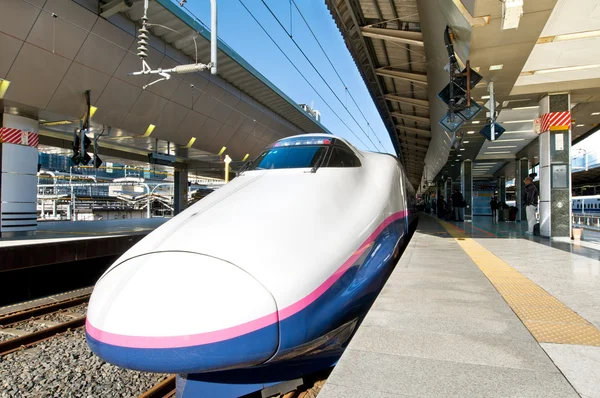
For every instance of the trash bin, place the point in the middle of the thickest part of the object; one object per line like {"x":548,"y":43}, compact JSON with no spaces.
{"x":512,"y":214}
{"x":503,"y":214}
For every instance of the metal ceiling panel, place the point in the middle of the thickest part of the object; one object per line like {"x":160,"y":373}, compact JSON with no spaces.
{"x":17,"y":27}
{"x":144,"y":112}
{"x":169,"y":120}
{"x":10,"y":48}
{"x":68,"y":98}
{"x":190,"y":125}
{"x":115,"y":102}
{"x":47,"y":28}
{"x":35,"y":71}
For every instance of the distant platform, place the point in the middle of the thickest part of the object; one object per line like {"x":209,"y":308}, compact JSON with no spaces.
{"x":479,"y":309}
{"x":65,"y":241}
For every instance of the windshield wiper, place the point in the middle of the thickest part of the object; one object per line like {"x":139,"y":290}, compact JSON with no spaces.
{"x":244,"y":167}
{"x":319,"y":161}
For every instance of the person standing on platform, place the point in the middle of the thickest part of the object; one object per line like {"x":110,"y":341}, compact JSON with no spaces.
{"x":530,"y":201}
{"x":457,"y":203}
{"x":494,"y":207}
{"x":441,"y":206}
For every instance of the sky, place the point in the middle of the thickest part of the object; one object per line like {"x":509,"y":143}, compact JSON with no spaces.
{"x":239,"y":30}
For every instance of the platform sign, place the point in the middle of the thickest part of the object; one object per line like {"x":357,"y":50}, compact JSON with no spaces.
{"x":537,"y":125}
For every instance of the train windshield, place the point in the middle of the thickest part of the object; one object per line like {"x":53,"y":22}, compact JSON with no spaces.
{"x":289,"y":157}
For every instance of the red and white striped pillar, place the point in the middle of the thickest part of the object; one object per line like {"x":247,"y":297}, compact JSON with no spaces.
{"x":555,"y":166}
{"x":18,"y":178}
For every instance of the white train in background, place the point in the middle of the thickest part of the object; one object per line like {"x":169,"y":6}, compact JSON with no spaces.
{"x":586,"y":204}
{"x":267,"y":278}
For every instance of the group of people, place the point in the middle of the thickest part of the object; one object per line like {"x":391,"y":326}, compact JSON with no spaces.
{"x":454,"y":206}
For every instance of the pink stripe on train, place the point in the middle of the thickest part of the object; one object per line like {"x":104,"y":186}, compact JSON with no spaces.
{"x":245,"y":328}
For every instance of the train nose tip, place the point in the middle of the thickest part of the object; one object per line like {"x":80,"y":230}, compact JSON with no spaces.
{"x":181,"y":312}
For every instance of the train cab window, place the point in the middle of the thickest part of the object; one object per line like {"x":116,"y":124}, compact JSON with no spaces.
{"x":342,"y":157}
{"x":292,"y":153}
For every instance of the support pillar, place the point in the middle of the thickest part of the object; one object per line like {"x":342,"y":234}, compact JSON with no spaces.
{"x":181,"y":188}
{"x":522,"y":171}
{"x":466,"y":187}
{"x":18,"y":179}
{"x":555,"y":166}
{"x":501,"y":189}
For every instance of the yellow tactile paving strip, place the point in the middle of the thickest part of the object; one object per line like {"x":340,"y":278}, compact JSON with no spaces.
{"x":548,"y":320}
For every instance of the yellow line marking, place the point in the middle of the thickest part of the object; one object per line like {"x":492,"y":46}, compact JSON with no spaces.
{"x":548,"y":320}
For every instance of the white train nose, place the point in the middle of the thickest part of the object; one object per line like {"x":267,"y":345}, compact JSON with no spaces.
{"x":181,"y":312}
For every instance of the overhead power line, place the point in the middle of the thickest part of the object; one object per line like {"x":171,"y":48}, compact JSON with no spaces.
{"x":319,"y":73}
{"x":336,"y":71}
{"x":301,"y":74}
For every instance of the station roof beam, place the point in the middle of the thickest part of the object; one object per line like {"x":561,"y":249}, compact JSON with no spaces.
{"x":398,"y":36}
{"x":424,"y":133}
{"x":408,"y":101}
{"x":412,"y":118}
{"x":417,"y":78}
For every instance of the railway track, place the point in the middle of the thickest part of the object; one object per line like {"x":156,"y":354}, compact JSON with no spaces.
{"x":164,"y":389}
{"x":25,"y":328}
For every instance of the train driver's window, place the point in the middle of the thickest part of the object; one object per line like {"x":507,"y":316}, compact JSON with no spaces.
{"x":342,"y":157}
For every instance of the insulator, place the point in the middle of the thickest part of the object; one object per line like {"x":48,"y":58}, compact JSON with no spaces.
{"x":142,"y":42}
{"x":142,"y":54}
{"x":189,"y":68}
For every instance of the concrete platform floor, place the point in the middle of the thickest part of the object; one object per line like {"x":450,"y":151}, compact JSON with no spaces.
{"x":479,"y":310}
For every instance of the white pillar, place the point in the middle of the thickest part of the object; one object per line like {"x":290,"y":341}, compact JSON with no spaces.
{"x":18,"y":179}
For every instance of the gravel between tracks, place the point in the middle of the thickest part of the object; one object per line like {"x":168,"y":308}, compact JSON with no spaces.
{"x":65,"y":367}
{"x":37,"y":323}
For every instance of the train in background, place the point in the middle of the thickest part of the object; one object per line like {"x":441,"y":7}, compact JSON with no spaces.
{"x":264,"y":280}
{"x":586,"y":204}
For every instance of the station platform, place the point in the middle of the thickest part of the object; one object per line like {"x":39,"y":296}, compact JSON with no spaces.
{"x":479,"y":310}
{"x":65,"y":241}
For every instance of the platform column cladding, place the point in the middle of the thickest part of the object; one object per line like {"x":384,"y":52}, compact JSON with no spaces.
{"x":18,"y":178}
{"x":501,"y":189}
{"x":521,"y":172}
{"x":466,"y":187}
{"x":181,"y":183}
{"x":555,"y":166}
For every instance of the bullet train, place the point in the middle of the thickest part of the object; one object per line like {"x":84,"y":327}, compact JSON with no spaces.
{"x":586,"y":204}
{"x":267,"y":277}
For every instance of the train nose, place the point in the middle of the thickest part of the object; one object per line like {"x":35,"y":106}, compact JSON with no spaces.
{"x":181,"y":312}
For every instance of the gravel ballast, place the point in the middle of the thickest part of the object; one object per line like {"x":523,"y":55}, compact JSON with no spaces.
{"x":64,"y":366}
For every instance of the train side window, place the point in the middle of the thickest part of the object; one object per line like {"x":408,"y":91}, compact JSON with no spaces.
{"x":342,"y":157}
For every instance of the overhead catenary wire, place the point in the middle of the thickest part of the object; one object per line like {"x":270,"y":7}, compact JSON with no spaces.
{"x":348,"y":93}
{"x":319,"y":73}
{"x":301,"y":74}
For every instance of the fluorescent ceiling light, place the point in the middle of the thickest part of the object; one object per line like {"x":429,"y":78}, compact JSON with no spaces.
{"x":595,"y":113}
{"x":494,"y":153}
{"x":222,"y":151}
{"x":502,"y":147}
{"x":476,"y":122}
{"x":3,"y":87}
{"x":465,"y":142}
{"x":245,"y":157}
{"x":457,"y":160}
{"x":512,"y":10}
{"x":459,"y":155}
{"x":190,"y":142}
{"x":565,"y":69}
{"x":470,"y":132}
{"x":462,"y":149}
{"x":496,"y":67}
{"x":525,"y":107}
{"x":569,"y":36}
{"x":149,"y":130}
{"x":580,"y":125}
{"x":519,"y":121}
{"x":485,"y":97}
